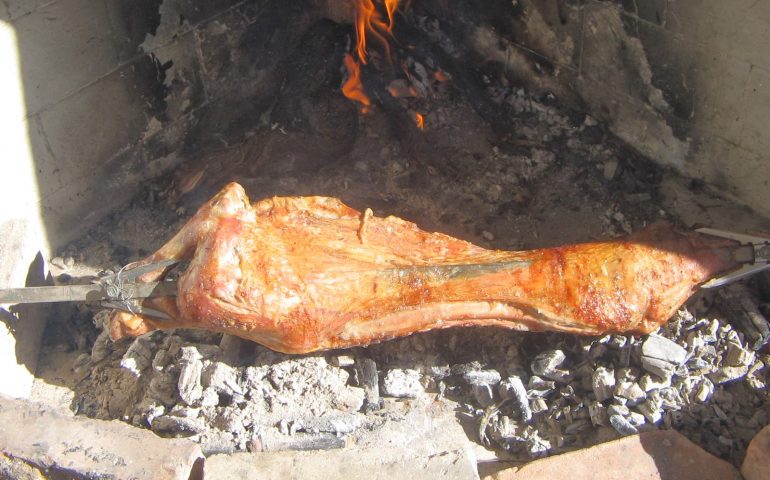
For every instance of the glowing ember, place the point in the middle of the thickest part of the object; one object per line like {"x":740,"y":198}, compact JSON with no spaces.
{"x":352,"y":88}
{"x":419,"y":120}
{"x":400,"y":89}
{"x":440,"y":76}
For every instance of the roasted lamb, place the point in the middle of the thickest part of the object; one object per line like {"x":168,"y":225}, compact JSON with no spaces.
{"x":299,"y":274}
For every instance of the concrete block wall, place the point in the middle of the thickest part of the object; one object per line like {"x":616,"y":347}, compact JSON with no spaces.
{"x":101,"y":96}
{"x":88,"y":115}
{"x":684,"y":82}
{"x":93,"y":103}
{"x":710,"y":59}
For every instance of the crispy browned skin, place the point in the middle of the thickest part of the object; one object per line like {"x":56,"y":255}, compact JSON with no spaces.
{"x":308,"y":273}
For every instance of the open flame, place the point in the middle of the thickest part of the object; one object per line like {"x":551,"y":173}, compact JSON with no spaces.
{"x":353,"y":88}
{"x":368,"y":20}
{"x":419,"y":120}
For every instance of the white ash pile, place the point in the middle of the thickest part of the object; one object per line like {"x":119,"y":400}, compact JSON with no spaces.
{"x":700,"y":376}
{"x":191,"y":384}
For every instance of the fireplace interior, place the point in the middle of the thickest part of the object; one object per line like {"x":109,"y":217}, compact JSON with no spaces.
{"x":510,"y":124}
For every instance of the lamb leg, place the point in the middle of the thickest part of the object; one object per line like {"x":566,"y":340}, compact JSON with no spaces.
{"x":300,"y":274}
{"x":230,"y":202}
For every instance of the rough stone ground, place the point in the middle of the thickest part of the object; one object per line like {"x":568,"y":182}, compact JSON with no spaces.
{"x":543,"y":176}
{"x":37,"y":442}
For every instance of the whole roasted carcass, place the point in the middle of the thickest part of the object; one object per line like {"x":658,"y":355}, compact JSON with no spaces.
{"x":299,"y":274}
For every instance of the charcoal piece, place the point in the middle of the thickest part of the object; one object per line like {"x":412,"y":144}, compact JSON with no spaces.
{"x":649,"y":383}
{"x":739,"y":305}
{"x":537,"y":446}
{"x":660,"y":368}
{"x":616,"y":409}
{"x":664,"y":349}
{"x":636,"y":419}
{"x":171,"y":424}
{"x":547,"y":365}
{"x":539,"y":405}
{"x":482,"y":377}
{"x":603,"y":383}
{"x":221,"y":377}
{"x":705,"y":390}
{"x":727,"y":374}
{"x":139,"y":355}
{"x":343,"y":361}
{"x":402,"y":383}
{"x":737,"y":356}
{"x":483,"y":394}
{"x":102,"y":347}
{"x":576,"y":427}
{"x":622,"y":426}
{"x":598,"y":414}
{"x":631,"y":391}
{"x":463,"y":368}
{"x":538,"y":384}
{"x":366,"y":368}
{"x":296,"y":442}
{"x":651,"y":409}
{"x":337,"y":423}
{"x":189,"y":384}
{"x":513,"y":388}
{"x":231,"y":348}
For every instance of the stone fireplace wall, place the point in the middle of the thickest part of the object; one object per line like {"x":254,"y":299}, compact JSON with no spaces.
{"x":685,"y":83}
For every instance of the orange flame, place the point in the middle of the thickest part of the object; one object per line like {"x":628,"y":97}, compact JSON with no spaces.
{"x":419,"y":120}
{"x":440,"y":76}
{"x":370,"y":20}
{"x":367,"y":20}
{"x":352,"y":88}
{"x":391,"y":6}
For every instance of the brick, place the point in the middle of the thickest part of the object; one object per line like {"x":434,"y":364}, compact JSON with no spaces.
{"x":663,"y":454}
{"x":13,"y":468}
{"x":77,"y":447}
{"x":756,"y":464}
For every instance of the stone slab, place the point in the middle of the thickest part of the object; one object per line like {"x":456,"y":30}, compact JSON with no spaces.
{"x":78,"y":447}
{"x":662,"y":455}
{"x":349,"y":463}
{"x":427,"y":443}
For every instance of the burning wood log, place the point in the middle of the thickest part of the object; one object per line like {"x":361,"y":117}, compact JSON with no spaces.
{"x":300,"y":274}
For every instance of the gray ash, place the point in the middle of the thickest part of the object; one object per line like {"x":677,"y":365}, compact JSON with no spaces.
{"x":703,"y":380}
